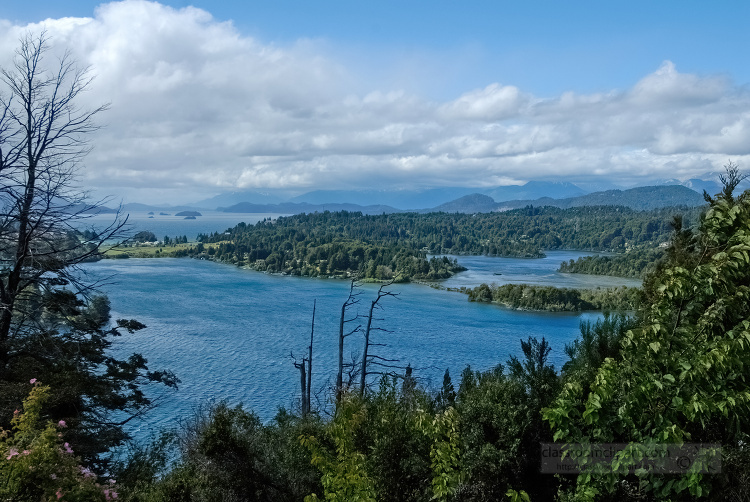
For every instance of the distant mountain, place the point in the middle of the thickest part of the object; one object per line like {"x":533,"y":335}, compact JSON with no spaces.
{"x":640,"y":198}
{"x":232,"y":198}
{"x":474,"y":203}
{"x":534,"y":190}
{"x":135,"y":207}
{"x":293,"y":208}
{"x":402,"y":199}
{"x":86,"y":209}
{"x":417,"y":199}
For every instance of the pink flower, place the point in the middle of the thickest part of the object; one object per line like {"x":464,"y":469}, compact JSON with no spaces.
{"x":62,"y":423}
{"x":68,"y":448}
{"x":11,"y":453}
{"x":59,"y":494}
{"x":32,"y":381}
{"x":16,"y":412}
{"x":26,"y":452}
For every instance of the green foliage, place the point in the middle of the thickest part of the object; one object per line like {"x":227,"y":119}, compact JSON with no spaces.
{"x":36,"y":464}
{"x":447,"y":396}
{"x":515,"y":496}
{"x":225,"y":454}
{"x":635,"y":263}
{"x":501,"y":425}
{"x":395,"y":246}
{"x":398,"y":451}
{"x":598,"y":341}
{"x":445,"y":452}
{"x":680,"y":374}
{"x":549,"y":298}
{"x":144,"y":236}
{"x":344,"y":476}
{"x":67,"y":347}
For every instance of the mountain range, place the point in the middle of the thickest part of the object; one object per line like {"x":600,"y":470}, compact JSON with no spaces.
{"x":451,"y":199}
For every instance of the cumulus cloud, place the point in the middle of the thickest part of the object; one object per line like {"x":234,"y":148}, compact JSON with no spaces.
{"x":197,"y":105}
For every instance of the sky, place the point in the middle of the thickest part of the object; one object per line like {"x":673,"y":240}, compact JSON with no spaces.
{"x":294,"y":96}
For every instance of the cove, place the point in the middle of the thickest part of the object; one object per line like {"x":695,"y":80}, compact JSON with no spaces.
{"x":228,"y":332}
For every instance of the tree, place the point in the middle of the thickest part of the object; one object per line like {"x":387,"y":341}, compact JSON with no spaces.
{"x":51,"y":325}
{"x":368,"y":357}
{"x":680,"y":374}
{"x":43,"y":138}
{"x":351,"y":300}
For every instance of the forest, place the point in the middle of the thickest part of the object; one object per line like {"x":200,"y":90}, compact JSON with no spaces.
{"x":636,"y":263}
{"x":397,"y":246}
{"x":530,"y":297}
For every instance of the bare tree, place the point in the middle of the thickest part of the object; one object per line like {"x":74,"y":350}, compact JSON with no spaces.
{"x":43,"y":139}
{"x":310,"y":357}
{"x":304,"y":405}
{"x":350,"y":301}
{"x":53,"y":324}
{"x":367,"y":357}
{"x":305,"y":370}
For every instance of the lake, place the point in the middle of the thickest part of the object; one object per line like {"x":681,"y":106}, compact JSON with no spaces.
{"x":172,"y":226}
{"x":228,"y":332}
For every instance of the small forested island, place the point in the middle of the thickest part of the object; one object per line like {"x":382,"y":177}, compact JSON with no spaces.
{"x":636,"y":263}
{"x":530,"y":297}
{"x":188,"y":213}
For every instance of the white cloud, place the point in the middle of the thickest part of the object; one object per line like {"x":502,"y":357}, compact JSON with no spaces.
{"x":196,"y":105}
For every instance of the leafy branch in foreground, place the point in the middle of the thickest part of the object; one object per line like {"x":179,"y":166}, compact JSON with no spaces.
{"x":680,"y":374}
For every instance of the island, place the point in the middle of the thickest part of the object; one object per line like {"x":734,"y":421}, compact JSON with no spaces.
{"x":188,"y":213}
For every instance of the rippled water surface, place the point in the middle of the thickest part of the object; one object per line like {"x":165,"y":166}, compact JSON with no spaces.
{"x":228,"y":333}
{"x":542,"y":271}
{"x":173,"y":226}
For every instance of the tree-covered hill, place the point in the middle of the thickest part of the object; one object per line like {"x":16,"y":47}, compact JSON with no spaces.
{"x":397,"y":245}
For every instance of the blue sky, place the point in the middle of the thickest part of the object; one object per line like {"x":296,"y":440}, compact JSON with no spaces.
{"x":545,"y":47}
{"x":411,"y":94}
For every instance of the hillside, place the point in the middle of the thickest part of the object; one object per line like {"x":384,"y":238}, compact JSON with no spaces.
{"x":640,"y":199}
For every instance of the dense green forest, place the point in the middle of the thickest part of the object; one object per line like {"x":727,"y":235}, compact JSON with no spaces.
{"x":530,"y":297}
{"x":397,"y":245}
{"x":635,"y":263}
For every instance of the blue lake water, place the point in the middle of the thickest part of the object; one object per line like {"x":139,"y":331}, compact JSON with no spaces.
{"x":541,"y":271}
{"x":228,"y":332}
{"x":172,"y":226}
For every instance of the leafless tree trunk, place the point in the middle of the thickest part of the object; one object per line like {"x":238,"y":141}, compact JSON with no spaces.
{"x":305,"y":369}
{"x":310,"y":358}
{"x":350,"y":300}
{"x":303,"y":385}
{"x":366,"y":357}
{"x":43,"y":139}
